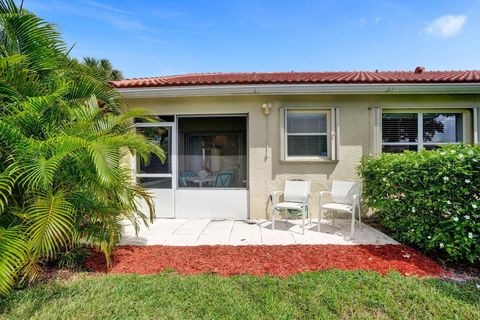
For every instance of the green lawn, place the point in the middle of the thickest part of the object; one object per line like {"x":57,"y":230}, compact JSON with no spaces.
{"x":323,"y":295}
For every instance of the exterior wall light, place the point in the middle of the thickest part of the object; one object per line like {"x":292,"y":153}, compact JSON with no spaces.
{"x":266,"y":107}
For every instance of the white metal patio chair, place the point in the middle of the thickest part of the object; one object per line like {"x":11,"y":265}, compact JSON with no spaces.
{"x":344,"y":197}
{"x":296,"y":196}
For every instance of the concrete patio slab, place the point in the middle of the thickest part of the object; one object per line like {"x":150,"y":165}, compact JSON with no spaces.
{"x":194,"y":232}
{"x":192,"y":227}
{"x":244,"y":233}
{"x":216,"y":232}
{"x":275,"y":237}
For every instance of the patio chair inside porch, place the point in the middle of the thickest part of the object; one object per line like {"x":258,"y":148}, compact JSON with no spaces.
{"x":183,"y":175}
{"x":223,"y":179}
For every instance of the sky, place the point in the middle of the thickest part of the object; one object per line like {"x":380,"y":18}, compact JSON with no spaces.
{"x":163,"y":37}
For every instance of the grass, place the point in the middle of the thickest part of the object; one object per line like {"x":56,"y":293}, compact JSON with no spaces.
{"x":323,"y":295}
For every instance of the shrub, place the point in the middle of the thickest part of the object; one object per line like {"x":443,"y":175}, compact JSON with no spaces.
{"x":63,"y":136}
{"x":72,"y":258}
{"x":430,"y":199}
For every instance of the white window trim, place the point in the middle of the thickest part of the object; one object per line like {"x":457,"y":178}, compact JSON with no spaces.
{"x":134,"y":164}
{"x":420,"y":144}
{"x":476,"y":125}
{"x":375,"y":124}
{"x":332,"y":134}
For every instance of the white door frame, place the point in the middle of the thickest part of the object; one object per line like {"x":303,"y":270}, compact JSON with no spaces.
{"x":165,"y":208}
{"x":216,"y":203}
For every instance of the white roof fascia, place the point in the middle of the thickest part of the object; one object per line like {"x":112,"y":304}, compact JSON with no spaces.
{"x":292,"y":89}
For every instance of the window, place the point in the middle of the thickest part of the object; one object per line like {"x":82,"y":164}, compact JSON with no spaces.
{"x":416,"y":130}
{"x":156,"y":174}
{"x":306,"y":134}
{"x":162,"y":137}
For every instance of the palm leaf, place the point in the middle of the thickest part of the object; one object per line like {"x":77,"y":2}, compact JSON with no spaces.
{"x":9,"y":135}
{"x":103,"y":231}
{"x":83,"y":86}
{"x":18,"y":82}
{"x":50,"y":219}
{"x":7,"y":180}
{"x":39,"y":172}
{"x":9,"y":6}
{"x":13,"y":254}
{"x":29,"y":35}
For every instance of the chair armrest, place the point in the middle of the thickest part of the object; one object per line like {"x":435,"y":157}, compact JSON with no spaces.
{"x":274,"y":196}
{"x":306,"y":198}
{"x":320,"y":198}
{"x":356,"y":199}
{"x":322,"y":193}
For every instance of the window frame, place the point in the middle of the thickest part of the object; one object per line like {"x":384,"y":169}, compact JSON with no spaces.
{"x":328,"y":134}
{"x":420,"y":112}
{"x":172,"y":133}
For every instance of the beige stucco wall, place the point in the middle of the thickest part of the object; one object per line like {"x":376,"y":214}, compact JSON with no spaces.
{"x":266,"y":172}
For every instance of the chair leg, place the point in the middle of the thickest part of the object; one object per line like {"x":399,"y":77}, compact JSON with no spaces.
{"x":309,"y":214}
{"x":319,"y":218}
{"x":286,"y":214}
{"x":303,"y":221}
{"x":273,"y":218}
{"x":360,"y":217}
{"x":352,"y":228}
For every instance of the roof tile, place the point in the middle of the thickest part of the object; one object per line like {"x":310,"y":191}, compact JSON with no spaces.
{"x":365,"y":77}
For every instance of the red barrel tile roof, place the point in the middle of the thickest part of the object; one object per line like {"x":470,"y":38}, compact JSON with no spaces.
{"x":359,"y":77}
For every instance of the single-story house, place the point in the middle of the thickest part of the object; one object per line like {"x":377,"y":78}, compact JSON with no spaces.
{"x":233,"y":138}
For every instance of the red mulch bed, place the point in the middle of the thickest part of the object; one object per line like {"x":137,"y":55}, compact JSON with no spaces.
{"x":266,"y":260}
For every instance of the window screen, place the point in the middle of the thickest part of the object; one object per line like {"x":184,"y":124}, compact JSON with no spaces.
{"x":417,"y":130}
{"x":442,"y":128}
{"x":307,"y":133}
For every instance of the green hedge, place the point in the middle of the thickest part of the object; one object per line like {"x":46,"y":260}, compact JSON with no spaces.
{"x":430,"y":199}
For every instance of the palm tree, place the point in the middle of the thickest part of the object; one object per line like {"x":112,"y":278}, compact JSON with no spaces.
{"x":103,"y":69}
{"x":64,"y":138}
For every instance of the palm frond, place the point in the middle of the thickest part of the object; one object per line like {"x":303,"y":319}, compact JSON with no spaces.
{"x":106,"y":159}
{"x":90,"y":62}
{"x":13,"y":254}
{"x":8,"y":6}
{"x":29,"y":35}
{"x":14,"y":60}
{"x":10,"y":135}
{"x":140,"y":194}
{"x":83,"y":86}
{"x":49,"y":219}
{"x":17,"y":81}
{"x":39,"y":172}
{"x":7,"y":180}
{"x":116,"y":75}
{"x":103,"y":231}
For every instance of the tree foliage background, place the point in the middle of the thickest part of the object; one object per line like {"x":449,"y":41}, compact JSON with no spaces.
{"x":103,"y":69}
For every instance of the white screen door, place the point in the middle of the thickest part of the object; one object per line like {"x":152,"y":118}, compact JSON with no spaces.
{"x":212,"y":167}
{"x":157,"y":176}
